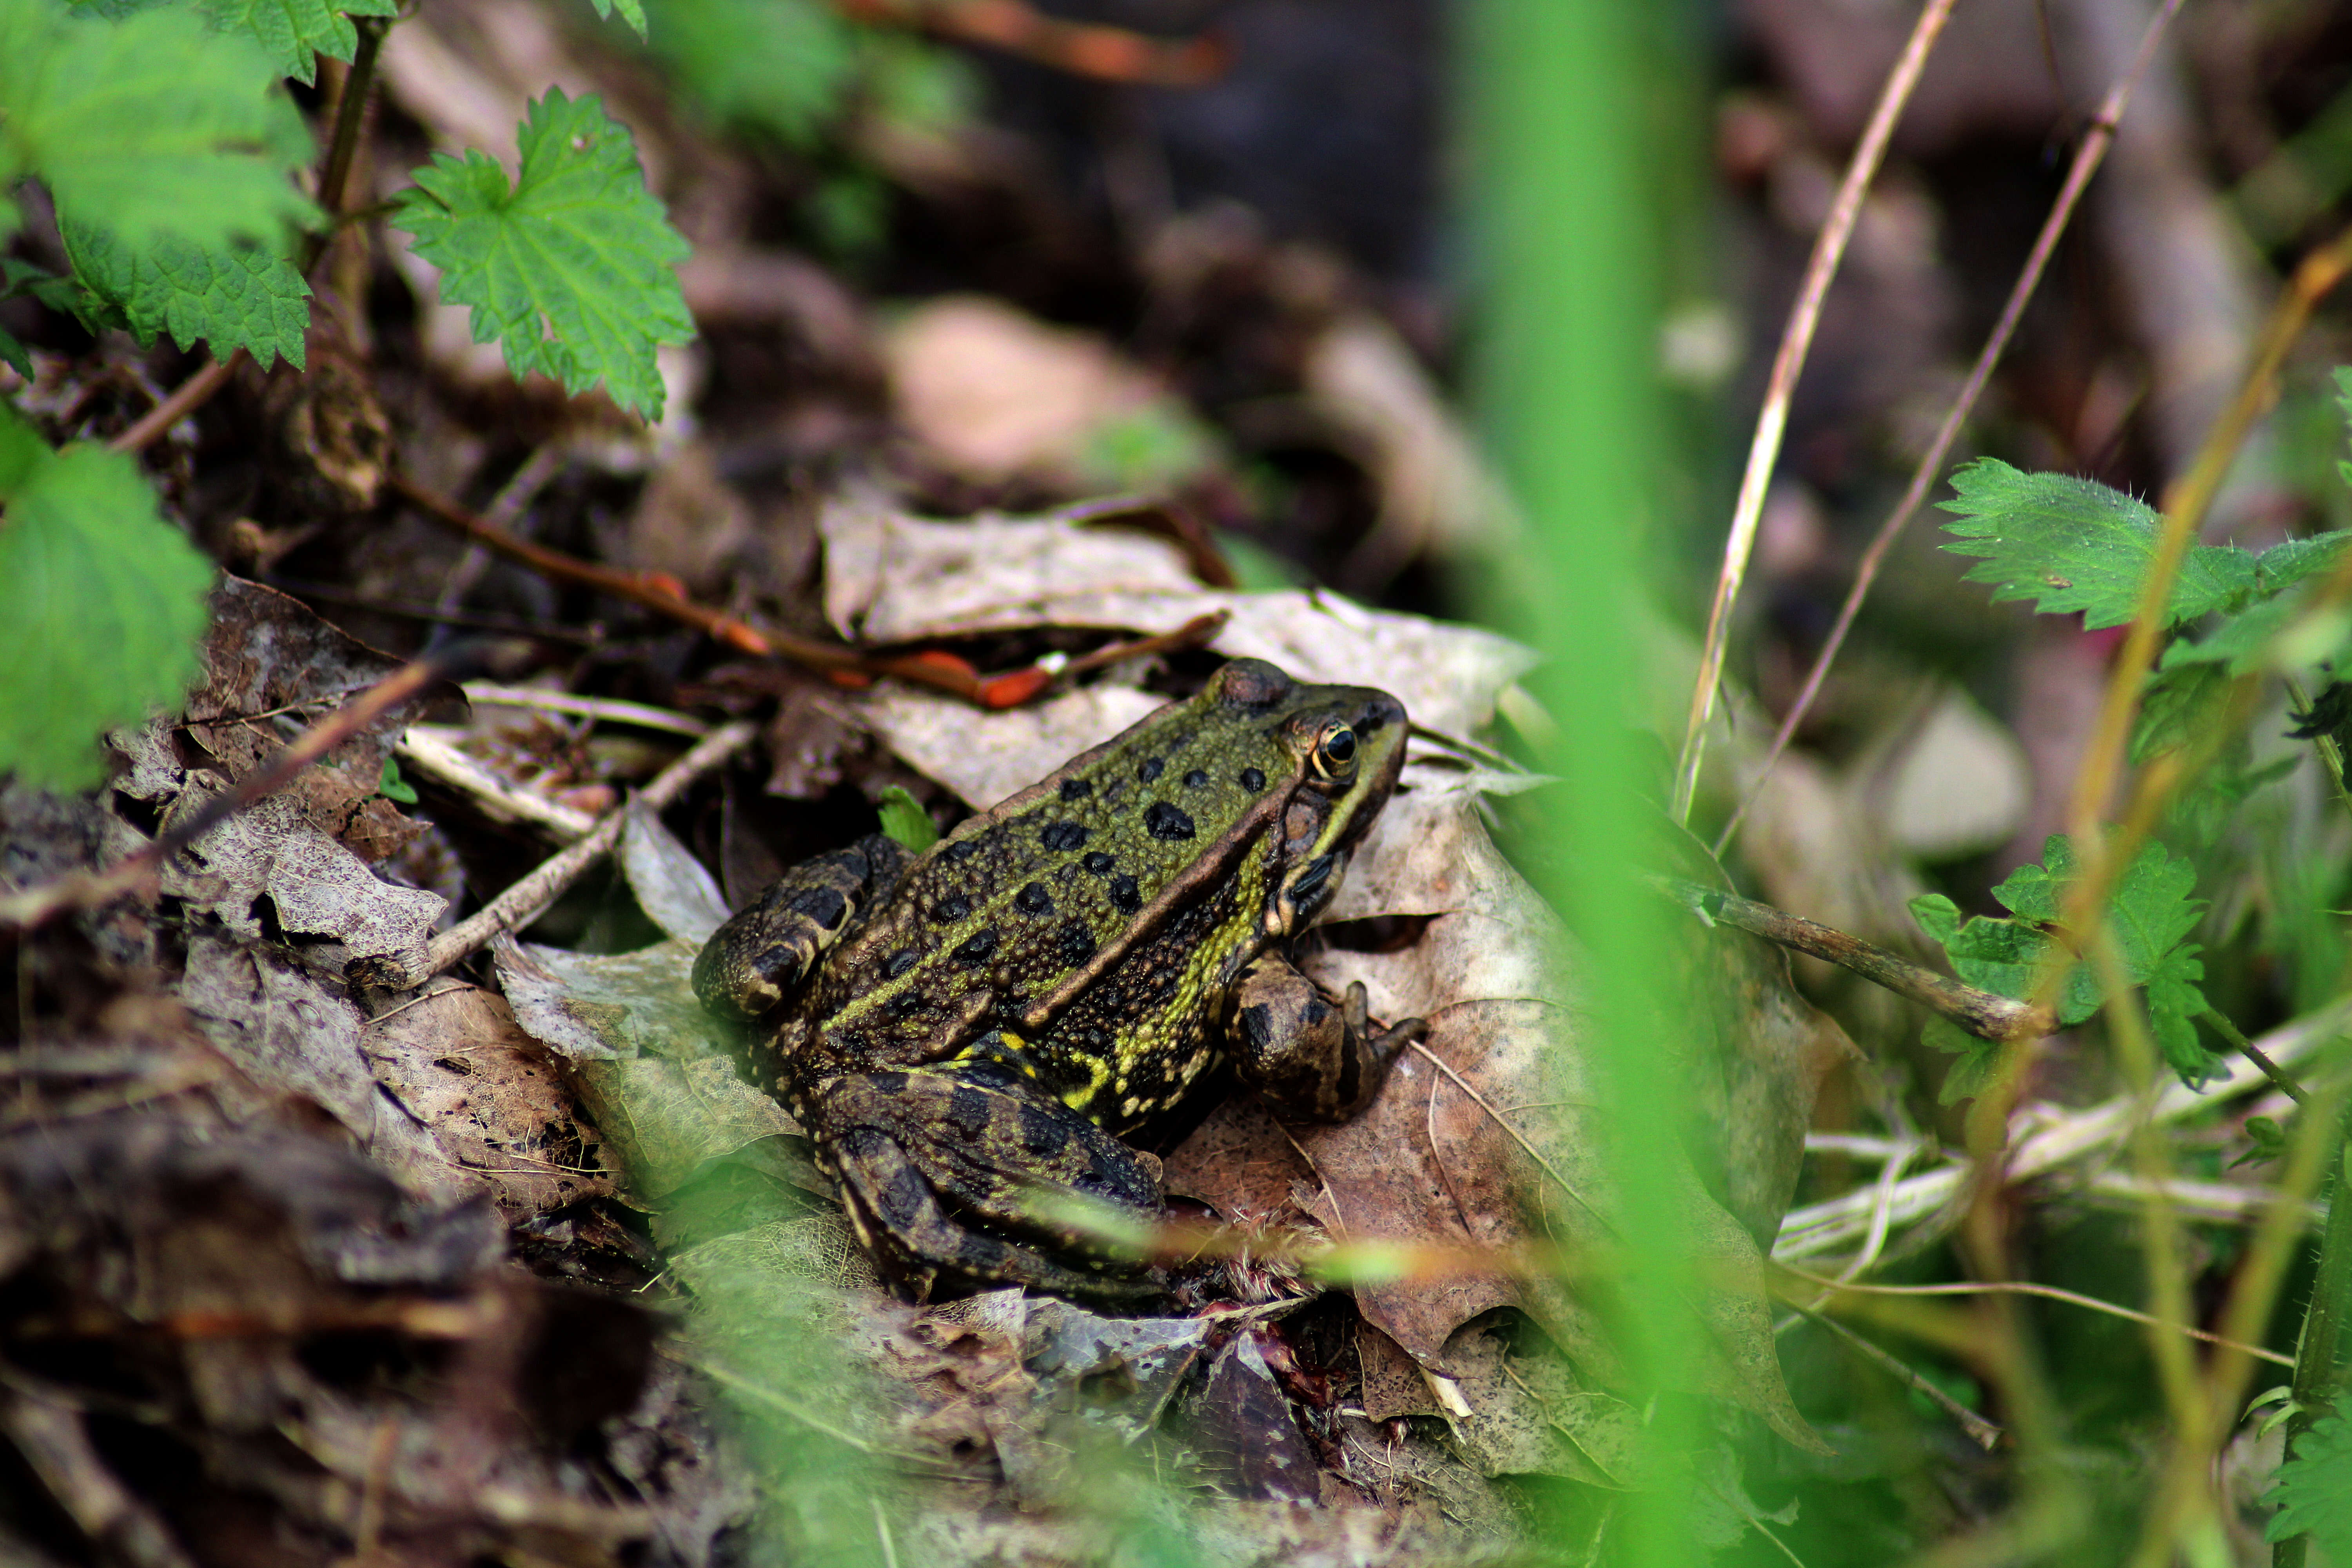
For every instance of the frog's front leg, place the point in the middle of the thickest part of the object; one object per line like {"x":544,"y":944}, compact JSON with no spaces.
{"x":764,"y":953}
{"x":1310,"y":1057}
{"x":970,"y":1174}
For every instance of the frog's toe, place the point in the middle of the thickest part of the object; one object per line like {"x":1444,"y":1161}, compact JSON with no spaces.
{"x":967,"y":1178}
{"x":902,"y":1223}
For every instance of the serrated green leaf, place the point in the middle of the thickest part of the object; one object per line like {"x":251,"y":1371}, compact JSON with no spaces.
{"x":2036,"y":892}
{"x":297,"y":32}
{"x":904,"y":819}
{"x":2150,"y":909}
{"x":2313,"y":1494}
{"x":2070,"y":544}
{"x":782,"y":67}
{"x":573,"y":268}
{"x":102,"y":603}
{"x":2174,"y":1003}
{"x":149,"y":125}
{"x":2285,"y":565}
{"x":1937,"y":915}
{"x":238,"y":298}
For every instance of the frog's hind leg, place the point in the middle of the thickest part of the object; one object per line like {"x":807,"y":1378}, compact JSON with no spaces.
{"x":968,"y":1176}
{"x":1309,"y":1056}
{"x":761,"y":954}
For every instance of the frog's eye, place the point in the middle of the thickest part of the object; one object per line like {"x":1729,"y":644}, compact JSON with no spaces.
{"x":1336,"y":752}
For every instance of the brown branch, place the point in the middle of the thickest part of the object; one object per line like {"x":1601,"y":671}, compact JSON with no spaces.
{"x":664,"y":595}
{"x":1982,"y":1013}
{"x":2087,"y":159}
{"x":183,"y":400}
{"x":94,"y":890}
{"x":527,"y":899}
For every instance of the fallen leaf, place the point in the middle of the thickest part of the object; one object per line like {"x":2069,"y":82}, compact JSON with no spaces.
{"x":490,"y":1096}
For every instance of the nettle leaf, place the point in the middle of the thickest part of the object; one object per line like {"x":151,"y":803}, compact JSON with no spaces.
{"x":240,"y":297}
{"x":297,"y":32}
{"x":102,"y":603}
{"x":573,"y":268}
{"x":2313,"y":1493}
{"x":2180,"y":705}
{"x":149,"y":125}
{"x":2070,"y":544}
{"x":2149,"y":912}
{"x":633,"y":12}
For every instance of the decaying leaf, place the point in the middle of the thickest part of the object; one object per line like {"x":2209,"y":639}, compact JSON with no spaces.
{"x":490,"y":1096}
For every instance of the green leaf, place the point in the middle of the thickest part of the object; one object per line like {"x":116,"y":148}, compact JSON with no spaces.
{"x":2070,"y":544}
{"x":2266,"y":1141}
{"x":149,"y":125}
{"x":904,"y":819}
{"x":781,"y":67}
{"x":392,"y":786}
{"x":2313,"y":1493}
{"x":238,"y":298}
{"x":2282,"y":565}
{"x":297,"y":32}
{"x":573,"y":268}
{"x":2149,"y":912}
{"x":102,"y":603}
{"x":2178,"y":706}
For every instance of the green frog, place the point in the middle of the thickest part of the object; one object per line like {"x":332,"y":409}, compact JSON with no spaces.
{"x":967,"y":1034}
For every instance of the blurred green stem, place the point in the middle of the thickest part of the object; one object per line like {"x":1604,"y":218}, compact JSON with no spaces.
{"x":2323,"y":1330}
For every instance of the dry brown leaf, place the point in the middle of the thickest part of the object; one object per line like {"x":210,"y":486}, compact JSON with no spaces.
{"x":890,"y":577}
{"x":490,"y":1095}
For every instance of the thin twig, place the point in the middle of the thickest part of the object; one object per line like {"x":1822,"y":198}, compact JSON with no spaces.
{"x":1796,"y":340}
{"x":1984,"y":1014}
{"x":2027,"y":1288}
{"x":183,"y":400}
{"x":351,"y":111}
{"x":93,"y":890}
{"x":1987,"y":1436}
{"x":527,"y":899}
{"x":1081,"y":48}
{"x":2087,"y":158}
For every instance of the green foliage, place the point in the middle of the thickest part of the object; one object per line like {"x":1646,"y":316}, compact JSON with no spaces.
{"x":904,"y":819}
{"x":102,"y":603}
{"x":2150,"y":914}
{"x":2313,"y":1493}
{"x":573,"y":268}
{"x":297,"y":32}
{"x":2265,"y":1142}
{"x":2070,"y":544}
{"x":392,"y":786}
{"x":633,"y":12}
{"x":241,"y":297}
{"x":147,"y":126}
{"x":780,"y":67}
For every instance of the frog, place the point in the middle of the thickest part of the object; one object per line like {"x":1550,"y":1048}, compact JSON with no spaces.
{"x":970,"y":1036}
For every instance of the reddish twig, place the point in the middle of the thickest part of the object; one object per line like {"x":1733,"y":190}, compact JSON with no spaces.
{"x":94,"y":890}
{"x":1772,"y":419}
{"x":2087,"y":158}
{"x":1080,"y":48}
{"x":665,"y":595}
{"x":183,"y":400}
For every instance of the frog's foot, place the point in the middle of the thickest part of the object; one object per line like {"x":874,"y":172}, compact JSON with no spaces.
{"x":1308,"y":1056}
{"x":973,"y":1177}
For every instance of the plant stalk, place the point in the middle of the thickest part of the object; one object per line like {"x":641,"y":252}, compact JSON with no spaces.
{"x":2316,"y":1369}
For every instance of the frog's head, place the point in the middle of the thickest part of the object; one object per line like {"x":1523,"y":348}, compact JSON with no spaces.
{"x":1343,"y":747}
